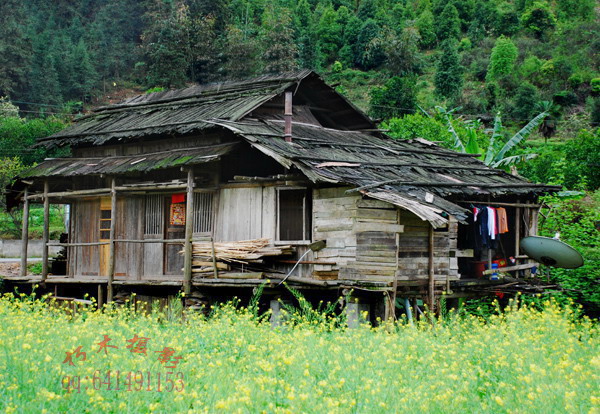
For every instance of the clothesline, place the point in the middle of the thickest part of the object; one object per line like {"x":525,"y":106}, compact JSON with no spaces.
{"x":489,"y":223}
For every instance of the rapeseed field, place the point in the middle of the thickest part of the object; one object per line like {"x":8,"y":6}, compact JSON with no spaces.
{"x":118,"y":361}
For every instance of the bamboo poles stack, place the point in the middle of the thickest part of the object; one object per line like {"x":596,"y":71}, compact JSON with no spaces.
{"x":226,"y":254}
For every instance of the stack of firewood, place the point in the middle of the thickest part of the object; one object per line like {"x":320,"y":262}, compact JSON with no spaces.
{"x":228,"y":254}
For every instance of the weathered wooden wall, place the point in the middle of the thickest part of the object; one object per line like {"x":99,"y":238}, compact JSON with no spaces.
{"x":413,"y":251}
{"x":129,"y":226}
{"x":148,"y":146}
{"x":361,"y":240}
{"x":360,"y":235}
{"x":84,"y":260}
{"x":334,"y":216}
{"x":376,"y":229}
{"x":245,"y":213}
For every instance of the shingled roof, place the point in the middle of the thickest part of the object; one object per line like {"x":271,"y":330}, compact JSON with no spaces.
{"x":70,"y":167}
{"x":186,"y":111}
{"x":417,"y":175}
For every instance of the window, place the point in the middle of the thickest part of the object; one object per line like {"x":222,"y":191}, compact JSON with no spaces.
{"x":105,"y":218}
{"x":203,"y":212}
{"x":153,"y":223}
{"x":293,"y":214}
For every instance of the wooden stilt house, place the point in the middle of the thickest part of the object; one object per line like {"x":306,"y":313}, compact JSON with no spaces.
{"x":229,"y":185}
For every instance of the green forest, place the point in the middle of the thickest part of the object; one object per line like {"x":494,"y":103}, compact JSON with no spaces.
{"x":517,"y":81}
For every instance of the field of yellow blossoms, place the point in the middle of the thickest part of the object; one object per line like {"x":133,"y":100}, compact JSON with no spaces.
{"x":121,"y":362}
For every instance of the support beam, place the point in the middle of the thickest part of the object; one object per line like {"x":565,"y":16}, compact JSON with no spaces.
{"x":189,"y":229}
{"x":431,"y":295}
{"x":46,"y":232}
{"x":287,"y":115}
{"x":111,"y":246}
{"x":517,"y":230}
{"x":25,"y":234}
{"x":100,"y":296}
{"x":395,"y":284}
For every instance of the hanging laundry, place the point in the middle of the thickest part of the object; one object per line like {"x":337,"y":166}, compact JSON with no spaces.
{"x":502,"y":220}
{"x":492,"y":222}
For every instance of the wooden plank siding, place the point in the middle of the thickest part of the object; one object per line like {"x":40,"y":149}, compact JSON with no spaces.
{"x":354,"y":229}
{"x":85,"y":260}
{"x":376,"y":222}
{"x":413,"y":250}
{"x":129,"y":226}
{"x":334,"y":215}
{"x":245,"y":213}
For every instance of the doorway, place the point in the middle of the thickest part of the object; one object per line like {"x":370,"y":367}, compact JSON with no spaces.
{"x":174,"y":229}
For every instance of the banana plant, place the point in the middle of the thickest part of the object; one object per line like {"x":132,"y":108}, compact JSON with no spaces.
{"x":494,"y":156}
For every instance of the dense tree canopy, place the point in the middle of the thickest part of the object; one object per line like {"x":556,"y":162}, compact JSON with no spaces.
{"x":484,"y":55}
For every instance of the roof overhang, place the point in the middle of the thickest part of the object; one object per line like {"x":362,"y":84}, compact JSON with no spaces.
{"x":119,"y":165}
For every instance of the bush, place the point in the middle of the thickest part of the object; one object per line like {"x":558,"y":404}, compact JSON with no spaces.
{"x":395,"y":98}
{"x":417,"y":126}
{"x":583,"y":157}
{"x":578,"y":222}
{"x":595,"y":85}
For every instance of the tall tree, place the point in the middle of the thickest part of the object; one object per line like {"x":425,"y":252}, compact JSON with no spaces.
{"x":44,"y":85}
{"x":329,"y":33}
{"x":15,"y":49}
{"x":426,"y":29}
{"x":449,"y":77}
{"x":402,"y":51}
{"x":306,"y":35}
{"x":370,"y":52}
{"x":539,"y":19}
{"x":242,"y":54}
{"x":167,"y":51}
{"x":278,"y":37}
{"x":503,"y":59}
{"x":84,"y":73}
{"x":448,"y":23}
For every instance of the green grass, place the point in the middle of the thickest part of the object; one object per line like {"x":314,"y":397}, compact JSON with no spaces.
{"x":523,"y":360}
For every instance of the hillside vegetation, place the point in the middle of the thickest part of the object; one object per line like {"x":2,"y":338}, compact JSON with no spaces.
{"x":482,"y":55}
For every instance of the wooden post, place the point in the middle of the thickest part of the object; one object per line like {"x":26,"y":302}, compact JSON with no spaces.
{"x":534,"y":221}
{"x":288,"y":117}
{"x":431,"y":271}
{"x":189,"y":229}
{"x":517,"y":230}
{"x":111,"y":245}
{"x":25,"y":233}
{"x":395,"y":284}
{"x":100,"y":296}
{"x":214,"y":257}
{"x":46,"y":232}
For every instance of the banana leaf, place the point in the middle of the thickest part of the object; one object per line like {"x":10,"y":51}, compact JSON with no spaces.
{"x":496,"y":135}
{"x":520,"y":136}
{"x":513,"y":160}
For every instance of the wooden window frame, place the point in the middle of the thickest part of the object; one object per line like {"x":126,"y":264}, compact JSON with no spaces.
{"x":105,"y":205}
{"x":306,"y":216}
{"x":156,"y":202}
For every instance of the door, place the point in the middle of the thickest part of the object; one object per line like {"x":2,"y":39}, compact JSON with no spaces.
{"x":105,"y":219}
{"x":174,"y":229}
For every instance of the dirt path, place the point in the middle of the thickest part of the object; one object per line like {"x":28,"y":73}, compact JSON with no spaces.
{"x":9,"y":269}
